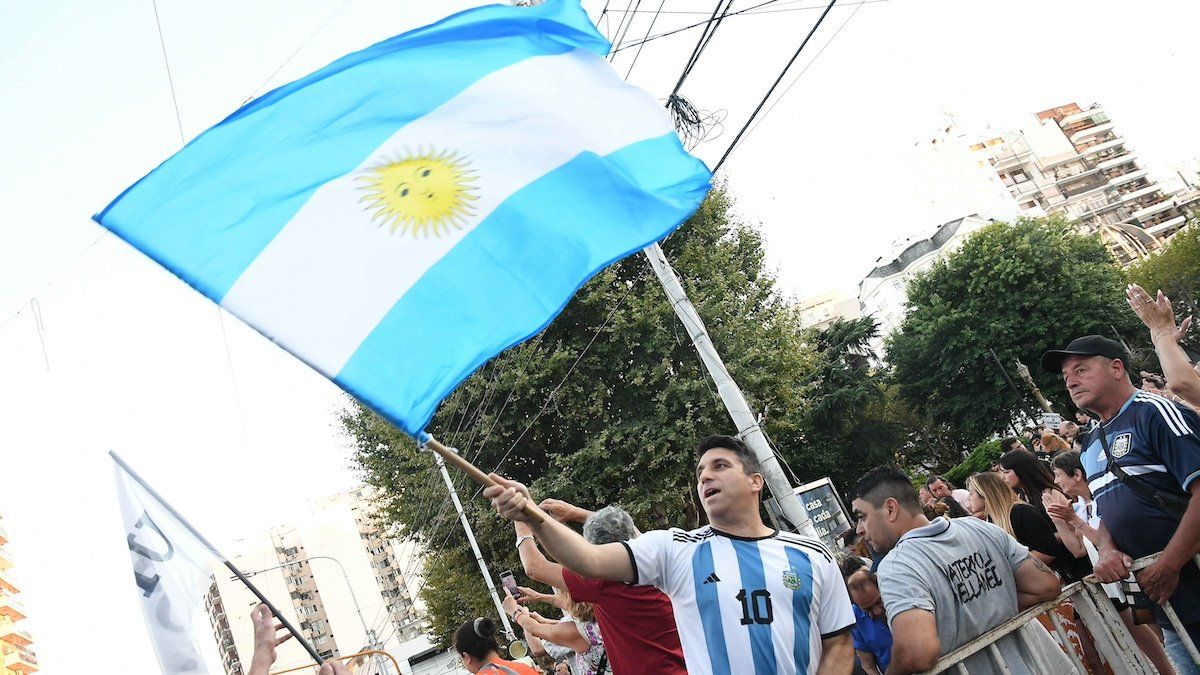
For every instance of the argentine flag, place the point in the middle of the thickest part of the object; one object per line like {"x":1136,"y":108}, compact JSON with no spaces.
{"x":404,"y":214}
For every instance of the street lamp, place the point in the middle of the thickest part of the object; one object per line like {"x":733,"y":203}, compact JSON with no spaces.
{"x":372,"y":642}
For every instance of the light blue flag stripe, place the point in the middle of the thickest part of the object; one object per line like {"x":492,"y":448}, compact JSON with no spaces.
{"x":462,"y":311}
{"x":208,"y":211}
{"x":801,"y":602}
{"x":754,"y":580}
{"x":708,"y":601}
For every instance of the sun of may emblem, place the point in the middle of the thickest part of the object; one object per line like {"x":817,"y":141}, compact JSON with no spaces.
{"x":422,"y":194}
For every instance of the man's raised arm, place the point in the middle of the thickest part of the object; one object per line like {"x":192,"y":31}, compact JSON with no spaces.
{"x":607,"y":561}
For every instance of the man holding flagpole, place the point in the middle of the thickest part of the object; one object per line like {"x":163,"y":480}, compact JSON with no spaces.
{"x":743,"y":592}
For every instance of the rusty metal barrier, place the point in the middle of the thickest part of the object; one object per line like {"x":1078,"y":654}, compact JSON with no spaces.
{"x":1098,"y":616}
{"x":347,"y":660}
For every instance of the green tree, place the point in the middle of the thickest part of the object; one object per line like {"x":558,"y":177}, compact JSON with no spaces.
{"x":1176,"y":271}
{"x":605,"y":406}
{"x":1019,"y":289}
{"x":850,"y":418}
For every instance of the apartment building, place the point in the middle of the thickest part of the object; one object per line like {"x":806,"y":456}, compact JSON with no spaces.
{"x":883,"y":293}
{"x":333,"y":573}
{"x":818,"y":311}
{"x":1072,"y":161}
{"x":16,"y":658}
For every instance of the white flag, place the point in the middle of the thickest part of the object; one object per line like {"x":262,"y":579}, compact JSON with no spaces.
{"x":172,"y":573}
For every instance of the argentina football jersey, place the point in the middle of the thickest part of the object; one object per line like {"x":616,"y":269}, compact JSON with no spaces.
{"x":744,"y":605}
{"x":1155,"y":441}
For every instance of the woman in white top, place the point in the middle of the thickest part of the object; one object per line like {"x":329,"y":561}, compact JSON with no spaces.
{"x":1076,"y":524}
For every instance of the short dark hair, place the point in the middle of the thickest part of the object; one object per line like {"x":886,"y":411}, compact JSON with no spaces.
{"x":883,"y":482}
{"x":749,"y":460}
{"x":851,"y":564}
{"x":1068,"y":463}
{"x":933,"y":479}
{"x":1008,"y":442}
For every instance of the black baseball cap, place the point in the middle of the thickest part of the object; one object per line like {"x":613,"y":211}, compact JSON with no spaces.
{"x":1088,"y":345}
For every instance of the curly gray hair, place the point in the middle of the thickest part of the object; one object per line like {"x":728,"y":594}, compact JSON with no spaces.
{"x":608,"y":525}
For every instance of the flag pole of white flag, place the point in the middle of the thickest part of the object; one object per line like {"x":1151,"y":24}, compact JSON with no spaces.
{"x":171,"y":567}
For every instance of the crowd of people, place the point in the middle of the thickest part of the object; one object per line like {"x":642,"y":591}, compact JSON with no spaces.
{"x":929,"y":568}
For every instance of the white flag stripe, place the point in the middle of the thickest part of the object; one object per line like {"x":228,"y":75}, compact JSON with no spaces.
{"x":513,"y":127}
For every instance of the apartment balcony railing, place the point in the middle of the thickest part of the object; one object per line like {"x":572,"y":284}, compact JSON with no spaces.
{"x":20,"y":659}
{"x":1081,"y":187}
{"x":14,"y":636}
{"x":1150,"y":209}
{"x":1100,"y":130}
{"x":7,"y":584}
{"x":1165,"y":226}
{"x":11,"y":608}
{"x":1099,"y":146}
{"x":1122,"y":178}
{"x":1107,"y":160}
{"x":6,"y":561}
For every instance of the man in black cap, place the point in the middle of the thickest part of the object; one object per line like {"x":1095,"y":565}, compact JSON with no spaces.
{"x":1142,"y":462}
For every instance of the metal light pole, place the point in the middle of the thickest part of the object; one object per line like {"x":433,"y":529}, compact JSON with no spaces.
{"x":483,"y":568}
{"x":372,"y":640}
{"x":743,"y":419}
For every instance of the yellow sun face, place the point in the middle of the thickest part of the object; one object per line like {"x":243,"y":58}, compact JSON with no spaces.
{"x":423,"y":195}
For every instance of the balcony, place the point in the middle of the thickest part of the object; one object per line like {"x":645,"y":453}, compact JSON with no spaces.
{"x":1127,"y":177}
{"x":7,"y":585}
{"x":20,"y":659}
{"x":1083,"y":115}
{"x":1116,"y":159}
{"x":1083,"y":187}
{"x":1166,"y":225}
{"x":1088,"y":150}
{"x":10,"y":608}
{"x":3,"y":536}
{"x":14,"y":636}
{"x":1079,"y":136}
{"x":1152,"y":209}
{"x":1136,"y":194}
{"x":5,"y":561}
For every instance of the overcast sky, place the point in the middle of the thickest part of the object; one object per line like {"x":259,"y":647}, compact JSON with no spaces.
{"x":100,"y":348}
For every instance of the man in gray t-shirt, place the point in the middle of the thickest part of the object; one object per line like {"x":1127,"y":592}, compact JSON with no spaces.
{"x":947,"y":582}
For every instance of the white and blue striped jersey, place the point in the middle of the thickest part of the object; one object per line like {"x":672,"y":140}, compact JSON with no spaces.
{"x":746,"y":605}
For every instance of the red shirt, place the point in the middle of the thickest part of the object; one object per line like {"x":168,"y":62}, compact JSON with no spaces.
{"x":636,"y":622}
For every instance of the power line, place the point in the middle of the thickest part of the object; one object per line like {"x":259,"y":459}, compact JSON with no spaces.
{"x":807,"y":66}
{"x":775,"y":84}
{"x":638,"y":53}
{"x":304,"y":44}
{"x":167,"y":63}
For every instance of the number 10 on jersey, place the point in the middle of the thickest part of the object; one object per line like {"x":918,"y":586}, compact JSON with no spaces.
{"x":756,"y":607}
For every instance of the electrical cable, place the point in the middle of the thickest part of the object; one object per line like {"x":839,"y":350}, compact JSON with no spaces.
{"x":638,"y":53}
{"x":628,"y":24}
{"x":621,"y":47}
{"x":304,"y":44}
{"x":808,"y":65}
{"x":775,"y":84}
{"x":170,"y":78}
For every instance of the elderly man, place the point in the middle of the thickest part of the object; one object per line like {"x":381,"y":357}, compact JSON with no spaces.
{"x":636,"y":621}
{"x":1142,"y":462}
{"x":947,"y":582}
{"x":745,"y":595}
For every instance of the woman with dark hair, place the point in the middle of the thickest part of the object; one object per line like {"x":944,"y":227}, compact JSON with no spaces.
{"x":1028,"y":476}
{"x":475,"y":642}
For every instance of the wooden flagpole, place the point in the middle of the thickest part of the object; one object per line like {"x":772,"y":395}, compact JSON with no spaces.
{"x":481,"y":478}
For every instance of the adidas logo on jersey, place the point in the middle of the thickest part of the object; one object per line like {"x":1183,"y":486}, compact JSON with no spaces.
{"x":712,"y":578}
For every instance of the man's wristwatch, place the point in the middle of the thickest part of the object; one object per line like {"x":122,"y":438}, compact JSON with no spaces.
{"x":521,"y":540}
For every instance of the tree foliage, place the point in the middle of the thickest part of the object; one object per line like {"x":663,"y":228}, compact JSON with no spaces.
{"x":1018,"y":289}
{"x":605,"y":406}
{"x":1176,"y":271}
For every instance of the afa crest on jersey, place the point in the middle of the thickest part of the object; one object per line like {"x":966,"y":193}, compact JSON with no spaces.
{"x":1121,"y":445}
{"x":791,"y":580}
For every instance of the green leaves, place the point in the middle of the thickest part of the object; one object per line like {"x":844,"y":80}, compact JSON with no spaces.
{"x":1019,"y":289}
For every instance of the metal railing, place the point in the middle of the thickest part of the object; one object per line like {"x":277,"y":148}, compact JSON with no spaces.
{"x":1095,"y":612}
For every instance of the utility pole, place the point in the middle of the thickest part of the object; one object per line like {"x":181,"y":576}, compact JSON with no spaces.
{"x":744,"y":420}
{"x":462,"y":517}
